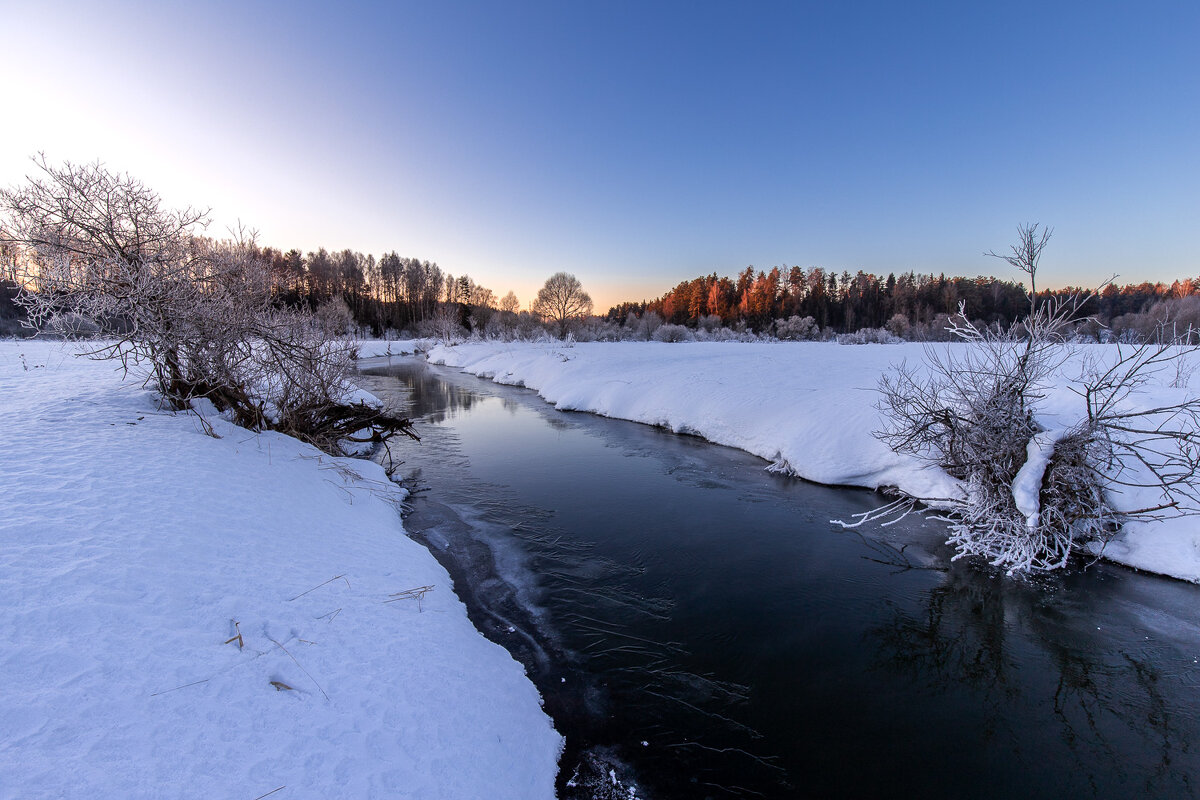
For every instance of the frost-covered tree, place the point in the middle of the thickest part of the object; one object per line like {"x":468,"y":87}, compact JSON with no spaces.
{"x":194,"y":315}
{"x":562,"y":300}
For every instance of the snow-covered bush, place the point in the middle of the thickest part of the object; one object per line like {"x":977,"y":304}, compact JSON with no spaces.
{"x":673,"y":333}
{"x":1036,"y":491}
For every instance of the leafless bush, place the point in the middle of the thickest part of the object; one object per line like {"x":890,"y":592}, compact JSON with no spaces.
{"x":444,"y":325}
{"x":1175,"y":319}
{"x":1033,"y":493}
{"x":194,"y":315}
{"x":673,"y":333}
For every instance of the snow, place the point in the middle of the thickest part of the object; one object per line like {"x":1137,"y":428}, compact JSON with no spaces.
{"x":133,"y":545}
{"x":1027,"y":484}
{"x":807,"y":407}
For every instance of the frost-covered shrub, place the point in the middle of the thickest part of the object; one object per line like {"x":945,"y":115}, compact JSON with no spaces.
{"x":797,"y":328}
{"x":718,"y":335}
{"x":898,"y":326}
{"x":673,"y":333}
{"x":868,"y":336}
{"x":1034,"y":491}
{"x":529,"y":328}
{"x":334,"y":317}
{"x":1172,"y":319}
{"x":647,"y":324}
{"x":444,"y":325}
{"x":936,"y":330}
{"x":743,"y":334}
{"x":595,"y":329}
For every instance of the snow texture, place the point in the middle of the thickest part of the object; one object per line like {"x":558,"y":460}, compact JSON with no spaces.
{"x":807,"y":407}
{"x":130,"y":545}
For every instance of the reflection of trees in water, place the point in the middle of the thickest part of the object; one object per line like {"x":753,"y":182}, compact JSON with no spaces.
{"x":429,"y":397}
{"x":1118,"y":717}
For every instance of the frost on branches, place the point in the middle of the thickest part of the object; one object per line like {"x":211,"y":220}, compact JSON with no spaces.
{"x":1034,"y":492}
{"x":198,"y":317}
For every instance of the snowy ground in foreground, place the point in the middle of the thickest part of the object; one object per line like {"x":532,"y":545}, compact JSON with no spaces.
{"x":808,"y":406}
{"x":129,"y":543}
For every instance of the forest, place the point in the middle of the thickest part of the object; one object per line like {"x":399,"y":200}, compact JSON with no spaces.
{"x":791,"y":302}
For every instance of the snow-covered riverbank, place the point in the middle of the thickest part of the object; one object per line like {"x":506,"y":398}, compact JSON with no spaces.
{"x":131,"y":542}
{"x":810,"y":407}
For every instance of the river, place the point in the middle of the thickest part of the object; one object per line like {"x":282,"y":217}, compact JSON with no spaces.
{"x":698,"y":626}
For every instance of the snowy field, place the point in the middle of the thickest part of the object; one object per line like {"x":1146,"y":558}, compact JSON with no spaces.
{"x":808,"y":407}
{"x":133,"y":545}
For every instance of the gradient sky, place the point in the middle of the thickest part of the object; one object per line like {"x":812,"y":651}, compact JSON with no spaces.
{"x":638,"y":144}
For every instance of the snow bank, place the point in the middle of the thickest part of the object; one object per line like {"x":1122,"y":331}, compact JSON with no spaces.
{"x":131,"y":542}
{"x":809,"y":407}
{"x":375,"y":348}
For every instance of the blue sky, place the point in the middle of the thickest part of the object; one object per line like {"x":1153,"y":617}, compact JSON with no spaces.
{"x":639,"y":144}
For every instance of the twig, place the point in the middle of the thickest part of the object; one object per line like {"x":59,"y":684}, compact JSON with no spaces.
{"x":268,"y":794}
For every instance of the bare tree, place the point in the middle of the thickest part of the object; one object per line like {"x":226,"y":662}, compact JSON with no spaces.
{"x":1034,"y":493}
{"x":444,"y":324}
{"x":195,"y":315}
{"x":1026,"y":255}
{"x":562,"y":300}
{"x":510,"y":304}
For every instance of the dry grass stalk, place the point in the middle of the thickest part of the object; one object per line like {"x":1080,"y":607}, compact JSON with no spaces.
{"x":238,"y":637}
{"x":411,"y":594}
{"x":319,"y":585}
{"x":301,"y":666}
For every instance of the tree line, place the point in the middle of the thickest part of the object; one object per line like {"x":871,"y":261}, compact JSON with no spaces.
{"x":390,"y":292}
{"x":908,"y":303}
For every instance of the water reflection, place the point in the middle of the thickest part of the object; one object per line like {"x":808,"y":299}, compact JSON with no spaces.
{"x":434,"y":401}
{"x":1112,"y":721}
{"x":687,"y":613}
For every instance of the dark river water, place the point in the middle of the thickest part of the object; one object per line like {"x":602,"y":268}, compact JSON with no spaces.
{"x":699,"y":626}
